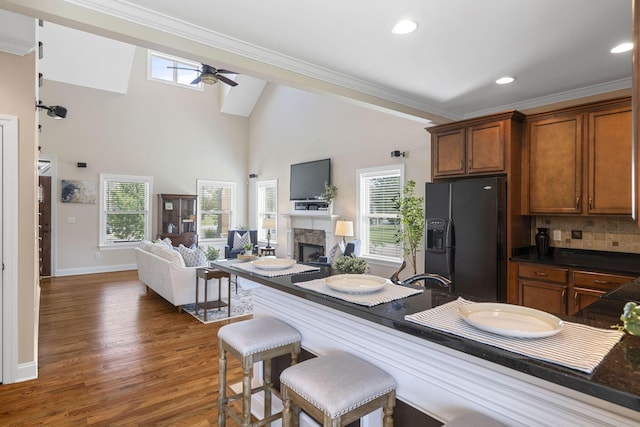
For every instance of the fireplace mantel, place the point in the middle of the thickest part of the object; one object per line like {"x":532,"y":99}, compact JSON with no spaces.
{"x":313,"y":220}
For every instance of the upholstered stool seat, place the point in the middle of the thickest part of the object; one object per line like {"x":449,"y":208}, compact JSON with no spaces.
{"x":255,"y":340}
{"x":336,"y":390}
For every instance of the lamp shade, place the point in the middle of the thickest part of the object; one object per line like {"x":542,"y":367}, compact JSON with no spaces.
{"x":268,"y":223}
{"x":344,"y":228}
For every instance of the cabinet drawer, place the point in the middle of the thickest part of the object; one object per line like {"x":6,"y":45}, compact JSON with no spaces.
{"x":602,"y":281}
{"x":539,"y":272}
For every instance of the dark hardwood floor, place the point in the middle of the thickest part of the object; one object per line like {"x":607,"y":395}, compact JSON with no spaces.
{"x":111,"y":353}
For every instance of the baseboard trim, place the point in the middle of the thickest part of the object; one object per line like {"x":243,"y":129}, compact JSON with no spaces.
{"x":93,"y":270}
{"x":26,"y":372}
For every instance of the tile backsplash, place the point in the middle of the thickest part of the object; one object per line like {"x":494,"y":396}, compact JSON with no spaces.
{"x":598,"y":233}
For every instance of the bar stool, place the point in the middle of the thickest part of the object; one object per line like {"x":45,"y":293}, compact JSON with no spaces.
{"x":252,"y":341}
{"x":336,"y":390}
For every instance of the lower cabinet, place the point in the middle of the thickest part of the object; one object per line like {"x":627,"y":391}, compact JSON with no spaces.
{"x":542,"y":287}
{"x":563,"y":291}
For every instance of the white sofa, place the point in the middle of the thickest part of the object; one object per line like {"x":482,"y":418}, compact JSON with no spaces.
{"x":163,"y":270}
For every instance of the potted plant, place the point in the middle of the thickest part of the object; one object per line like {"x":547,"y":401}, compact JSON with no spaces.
{"x":248,"y":248}
{"x":350,"y":264}
{"x":330,"y":192}
{"x":411,"y":214}
{"x":211,"y":254}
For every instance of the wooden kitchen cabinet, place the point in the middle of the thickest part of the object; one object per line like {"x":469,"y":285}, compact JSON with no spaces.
{"x":475,"y":146}
{"x":587,"y":287}
{"x":177,"y":218}
{"x":560,"y":290}
{"x":609,"y":138}
{"x":577,"y":161}
{"x":542,"y":287}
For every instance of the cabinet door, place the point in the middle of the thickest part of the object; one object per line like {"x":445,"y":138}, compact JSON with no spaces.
{"x":485,"y":148}
{"x":581,"y":298}
{"x":610,"y":162}
{"x":448,"y":153}
{"x":554,"y":165}
{"x":547,"y":297}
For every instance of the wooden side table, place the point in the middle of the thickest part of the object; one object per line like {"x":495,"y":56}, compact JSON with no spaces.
{"x":267,"y":251}
{"x":208,"y":274}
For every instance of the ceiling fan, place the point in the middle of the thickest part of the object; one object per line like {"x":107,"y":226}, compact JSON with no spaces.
{"x":210,"y":75}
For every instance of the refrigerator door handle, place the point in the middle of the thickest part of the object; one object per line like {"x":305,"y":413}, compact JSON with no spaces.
{"x":451,"y":248}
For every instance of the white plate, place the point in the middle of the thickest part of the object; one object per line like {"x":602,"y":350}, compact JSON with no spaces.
{"x":355,"y":283}
{"x":511,"y":320}
{"x":274,"y":263}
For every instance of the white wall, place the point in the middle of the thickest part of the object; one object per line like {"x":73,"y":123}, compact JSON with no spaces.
{"x":175,"y":135}
{"x":290,"y":126}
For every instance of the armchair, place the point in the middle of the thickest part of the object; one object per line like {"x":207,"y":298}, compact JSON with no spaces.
{"x":230,"y":252}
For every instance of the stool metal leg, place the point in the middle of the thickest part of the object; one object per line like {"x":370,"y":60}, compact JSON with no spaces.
{"x":222,"y":392}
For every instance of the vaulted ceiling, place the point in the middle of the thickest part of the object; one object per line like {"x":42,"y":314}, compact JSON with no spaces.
{"x":557,"y":50}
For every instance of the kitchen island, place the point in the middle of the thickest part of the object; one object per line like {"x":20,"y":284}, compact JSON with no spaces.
{"x":443,"y":375}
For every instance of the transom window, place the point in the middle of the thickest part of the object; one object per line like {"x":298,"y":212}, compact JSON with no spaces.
{"x":158,"y":70}
{"x":216,"y":204}
{"x":267,"y":206}
{"x":125,"y":209}
{"x":378,"y":221}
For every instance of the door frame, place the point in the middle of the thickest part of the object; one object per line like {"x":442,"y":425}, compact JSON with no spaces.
{"x":53,"y":173}
{"x":9,"y":247}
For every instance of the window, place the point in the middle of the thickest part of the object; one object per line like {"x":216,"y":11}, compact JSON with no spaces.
{"x":216,"y":203}
{"x":158,"y":70}
{"x":267,"y":206}
{"x":378,"y":220}
{"x":125,"y":209}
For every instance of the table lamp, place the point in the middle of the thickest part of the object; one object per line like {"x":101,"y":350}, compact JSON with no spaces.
{"x":268,"y":223}
{"x":344,"y":229}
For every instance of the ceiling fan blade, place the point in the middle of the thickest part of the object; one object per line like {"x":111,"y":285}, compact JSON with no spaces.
{"x":197,"y":80}
{"x":226,"y":80}
{"x":227,"y":72}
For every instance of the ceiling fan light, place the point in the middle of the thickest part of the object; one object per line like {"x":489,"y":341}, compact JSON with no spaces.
{"x":622,"y":47}
{"x":209,"y":78}
{"x":405,"y":26}
{"x":505,"y":80}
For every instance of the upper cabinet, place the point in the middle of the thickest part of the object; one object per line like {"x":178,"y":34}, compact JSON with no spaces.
{"x":578,"y":161}
{"x":475,"y":146}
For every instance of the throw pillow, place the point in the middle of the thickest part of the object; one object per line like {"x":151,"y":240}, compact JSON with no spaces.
{"x":239,"y":241}
{"x":166,"y":241}
{"x":334,"y":253}
{"x":192,"y":257}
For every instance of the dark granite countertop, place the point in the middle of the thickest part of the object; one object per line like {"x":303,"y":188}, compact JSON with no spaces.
{"x":614,"y":262}
{"x":617,"y":378}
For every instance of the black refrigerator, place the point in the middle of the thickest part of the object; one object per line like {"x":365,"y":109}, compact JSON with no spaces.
{"x":465,"y":231}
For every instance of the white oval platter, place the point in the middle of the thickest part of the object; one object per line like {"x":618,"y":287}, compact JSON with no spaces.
{"x":355,"y":283}
{"x":274,"y":263}
{"x":511,"y":320}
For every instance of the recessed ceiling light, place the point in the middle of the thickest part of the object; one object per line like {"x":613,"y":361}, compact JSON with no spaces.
{"x":505,"y":80}
{"x":405,"y":26}
{"x":623,"y":47}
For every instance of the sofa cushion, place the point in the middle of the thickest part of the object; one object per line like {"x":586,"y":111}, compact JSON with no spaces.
{"x":146,"y":245}
{"x":239,"y":241}
{"x":163,"y":251}
{"x":192,"y":257}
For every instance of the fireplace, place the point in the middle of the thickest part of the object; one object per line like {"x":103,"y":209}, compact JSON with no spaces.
{"x":308,"y":252}
{"x":310,"y":228}
{"x":308,"y":243}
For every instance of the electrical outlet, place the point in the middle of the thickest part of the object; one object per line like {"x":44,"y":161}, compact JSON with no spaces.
{"x":71,"y":220}
{"x":97,"y":255}
{"x":557,"y":235}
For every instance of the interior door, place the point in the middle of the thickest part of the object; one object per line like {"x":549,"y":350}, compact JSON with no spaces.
{"x":44,"y":225}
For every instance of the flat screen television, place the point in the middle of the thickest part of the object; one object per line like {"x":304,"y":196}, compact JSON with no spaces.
{"x":307,"y":179}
